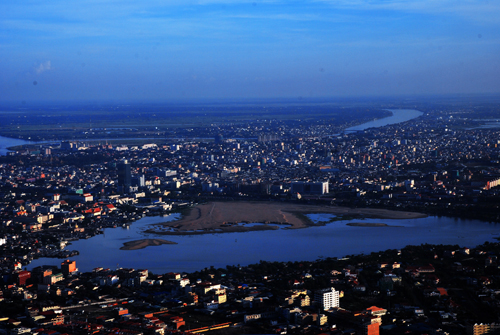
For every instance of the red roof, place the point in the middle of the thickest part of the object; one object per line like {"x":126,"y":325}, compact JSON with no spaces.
{"x":442,"y":291}
{"x":375,"y":309}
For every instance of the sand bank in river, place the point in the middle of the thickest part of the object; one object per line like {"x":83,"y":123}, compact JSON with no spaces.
{"x":227,"y":217}
{"x":369,"y":224}
{"x":141,"y":244}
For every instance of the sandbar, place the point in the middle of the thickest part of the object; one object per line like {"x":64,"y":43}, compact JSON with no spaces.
{"x":141,"y":244}
{"x":219,"y":217}
{"x":369,"y":224}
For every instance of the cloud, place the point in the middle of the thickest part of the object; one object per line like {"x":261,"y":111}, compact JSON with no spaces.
{"x":306,"y":17}
{"x":42,"y":67}
{"x":478,"y":10}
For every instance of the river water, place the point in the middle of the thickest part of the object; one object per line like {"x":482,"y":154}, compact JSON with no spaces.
{"x":398,"y":116}
{"x":6,"y":142}
{"x":336,"y":239}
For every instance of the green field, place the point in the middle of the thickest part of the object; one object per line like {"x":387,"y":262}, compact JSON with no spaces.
{"x":166,"y":121}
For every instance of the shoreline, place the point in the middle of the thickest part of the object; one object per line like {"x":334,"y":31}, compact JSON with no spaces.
{"x":368,"y":224}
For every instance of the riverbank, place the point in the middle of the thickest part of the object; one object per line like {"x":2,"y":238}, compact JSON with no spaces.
{"x":232,"y":216}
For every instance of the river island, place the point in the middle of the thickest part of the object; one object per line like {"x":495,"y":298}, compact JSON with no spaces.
{"x":141,"y":244}
{"x":223,"y":217}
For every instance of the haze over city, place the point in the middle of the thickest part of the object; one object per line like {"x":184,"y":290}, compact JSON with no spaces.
{"x":250,"y":167}
{"x":161,"y":50}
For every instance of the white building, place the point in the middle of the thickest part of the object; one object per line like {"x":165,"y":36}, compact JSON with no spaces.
{"x":327,"y":298}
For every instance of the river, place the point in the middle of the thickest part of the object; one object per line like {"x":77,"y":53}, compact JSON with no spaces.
{"x":336,"y":239}
{"x":7,"y":142}
{"x":398,"y":116}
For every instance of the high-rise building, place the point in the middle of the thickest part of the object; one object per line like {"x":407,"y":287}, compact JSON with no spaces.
{"x":303,"y":187}
{"x":369,"y":328}
{"x":327,"y":298}
{"x":482,"y":328}
{"x":124,"y":175}
{"x":139,"y":181}
{"x":68,"y":267}
{"x":22,"y":277}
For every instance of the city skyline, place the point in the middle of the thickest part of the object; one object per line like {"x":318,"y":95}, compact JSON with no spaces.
{"x":226,"y":49}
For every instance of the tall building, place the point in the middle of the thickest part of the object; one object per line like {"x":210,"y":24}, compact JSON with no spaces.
{"x":139,"y":181}
{"x":303,"y":187}
{"x":327,"y":298}
{"x":369,"y":328}
{"x":124,"y":175}
{"x":365,"y":322}
{"x":22,"y":277}
{"x":483,"y":328}
{"x":68,"y":267}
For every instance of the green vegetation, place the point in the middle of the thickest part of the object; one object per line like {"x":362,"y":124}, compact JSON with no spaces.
{"x":167,"y":121}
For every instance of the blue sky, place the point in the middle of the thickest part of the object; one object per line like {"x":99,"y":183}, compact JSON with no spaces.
{"x":164,"y":50}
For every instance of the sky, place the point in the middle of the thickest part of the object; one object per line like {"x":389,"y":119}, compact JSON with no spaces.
{"x":161,"y":50}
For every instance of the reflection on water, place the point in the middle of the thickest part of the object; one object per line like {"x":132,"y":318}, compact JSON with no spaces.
{"x":335,"y":239}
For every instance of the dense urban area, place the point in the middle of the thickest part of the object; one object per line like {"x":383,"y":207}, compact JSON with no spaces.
{"x":444,"y":162}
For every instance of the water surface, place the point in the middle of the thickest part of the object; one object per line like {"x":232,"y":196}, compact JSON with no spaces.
{"x":335,"y":239}
{"x":398,"y":116}
{"x":7,"y":142}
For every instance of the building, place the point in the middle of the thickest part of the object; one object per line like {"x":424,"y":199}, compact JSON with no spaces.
{"x":124,"y":175}
{"x":53,"y":278}
{"x":369,"y":328}
{"x":68,"y":267}
{"x":23,"y":277}
{"x":139,"y":181}
{"x":482,"y":328}
{"x":327,"y":298}
{"x":303,"y":187}
{"x":376,"y":311}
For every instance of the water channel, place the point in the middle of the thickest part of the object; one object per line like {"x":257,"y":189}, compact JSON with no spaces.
{"x":399,"y":115}
{"x":335,"y":239}
{"x":7,"y":142}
